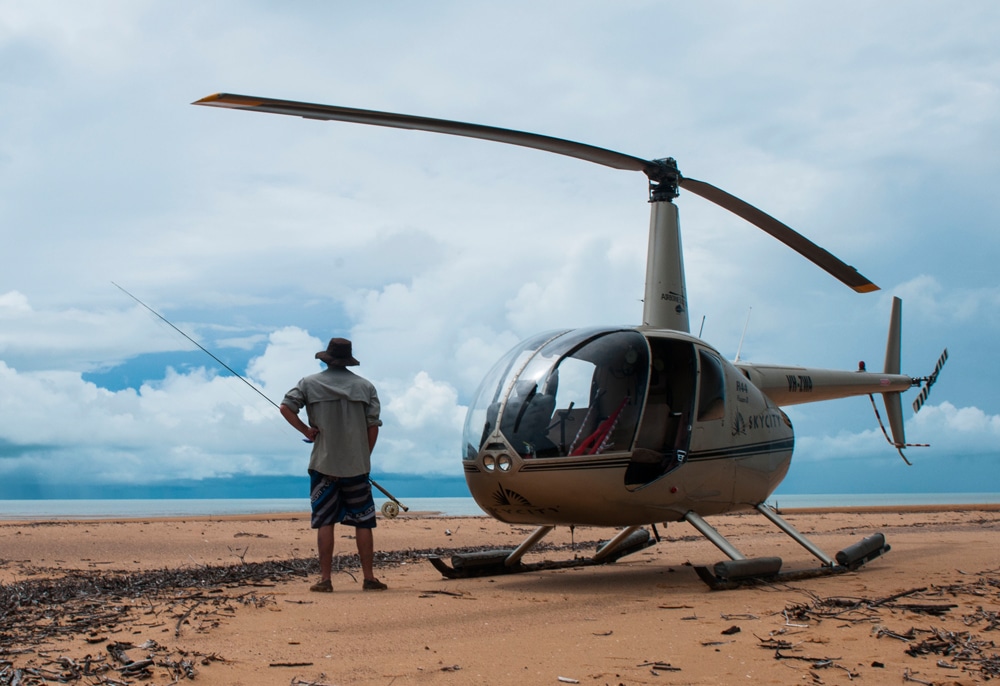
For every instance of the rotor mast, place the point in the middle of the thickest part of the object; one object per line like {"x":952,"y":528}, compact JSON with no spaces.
{"x":665,"y":303}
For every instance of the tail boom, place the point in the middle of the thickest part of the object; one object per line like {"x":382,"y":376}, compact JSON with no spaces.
{"x":797,"y":385}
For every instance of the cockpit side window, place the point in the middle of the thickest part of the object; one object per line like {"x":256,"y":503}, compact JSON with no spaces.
{"x":711,"y":387}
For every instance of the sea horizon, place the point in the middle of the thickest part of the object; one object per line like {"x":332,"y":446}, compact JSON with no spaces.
{"x":111,"y":508}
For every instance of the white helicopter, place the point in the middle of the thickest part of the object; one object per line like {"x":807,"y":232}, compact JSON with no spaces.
{"x":634,"y":426}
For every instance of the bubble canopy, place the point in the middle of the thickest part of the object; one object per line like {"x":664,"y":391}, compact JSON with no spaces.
{"x":562,"y":394}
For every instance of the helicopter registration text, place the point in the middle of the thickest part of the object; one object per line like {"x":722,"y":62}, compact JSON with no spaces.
{"x":799,"y":384}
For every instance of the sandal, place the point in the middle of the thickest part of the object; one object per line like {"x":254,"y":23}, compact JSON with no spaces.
{"x":373,"y":585}
{"x":322,"y":587}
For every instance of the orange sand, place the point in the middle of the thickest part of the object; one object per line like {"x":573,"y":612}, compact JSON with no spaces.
{"x":646,"y":619}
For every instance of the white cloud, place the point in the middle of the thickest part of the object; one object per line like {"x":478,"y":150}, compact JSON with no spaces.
{"x":947,"y":431}
{"x":926,"y":296}
{"x":290,"y":355}
{"x":186,"y":426}
{"x":963,"y":428}
{"x":14,"y":303}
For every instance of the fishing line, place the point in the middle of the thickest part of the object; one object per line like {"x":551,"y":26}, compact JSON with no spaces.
{"x":203,"y":348}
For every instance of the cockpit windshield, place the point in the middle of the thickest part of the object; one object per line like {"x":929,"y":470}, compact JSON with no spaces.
{"x":565,"y":394}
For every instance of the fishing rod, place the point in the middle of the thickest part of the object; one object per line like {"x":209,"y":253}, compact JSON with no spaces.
{"x":389,"y":512}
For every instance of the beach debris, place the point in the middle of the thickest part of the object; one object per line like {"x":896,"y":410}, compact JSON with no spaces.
{"x":567,"y":680}
{"x":908,"y":676}
{"x":301,"y":682}
{"x":178,"y":665}
{"x":879,"y":631}
{"x":817,"y":663}
{"x":731,"y":630}
{"x":960,"y":649}
{"x":772,"y":643}
{"x":657,"y":667}
{"x":859,"y":609}
{"x":464,"y":595}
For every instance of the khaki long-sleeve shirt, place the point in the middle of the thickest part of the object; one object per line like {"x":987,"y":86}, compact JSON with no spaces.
{"x":342,"y":405}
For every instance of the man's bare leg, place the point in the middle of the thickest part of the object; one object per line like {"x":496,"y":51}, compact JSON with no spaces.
{"x":325,"y":542}
{"x":366,"y":551}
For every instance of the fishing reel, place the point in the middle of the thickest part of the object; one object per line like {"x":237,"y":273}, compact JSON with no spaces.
{"x":390,"y":509}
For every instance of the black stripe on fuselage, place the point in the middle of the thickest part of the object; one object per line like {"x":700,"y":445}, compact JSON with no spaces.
{"x":559,"y":463}
{"x":750,"y":450}
{"x":730,"y":453}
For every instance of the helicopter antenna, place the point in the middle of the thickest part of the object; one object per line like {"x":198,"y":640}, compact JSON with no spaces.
{"x":743,"y":335}
{"x":702,"y":327}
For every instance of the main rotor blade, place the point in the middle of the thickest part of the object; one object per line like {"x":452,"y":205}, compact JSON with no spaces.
{"x":589,"y":153}
{"x":794,"y":240}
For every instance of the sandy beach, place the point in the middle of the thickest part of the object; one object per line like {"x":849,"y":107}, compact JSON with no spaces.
{"x":225,"y":600}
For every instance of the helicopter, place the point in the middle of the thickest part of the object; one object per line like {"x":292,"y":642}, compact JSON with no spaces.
{"x":635,"y":426}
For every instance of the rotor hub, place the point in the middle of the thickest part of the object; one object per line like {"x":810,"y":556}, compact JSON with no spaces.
{"x":664,"y":179}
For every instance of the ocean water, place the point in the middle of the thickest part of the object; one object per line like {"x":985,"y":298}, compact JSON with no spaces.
{"x":129,"y":509}
{"x":872,"y":499}
{"x":34,"y":510}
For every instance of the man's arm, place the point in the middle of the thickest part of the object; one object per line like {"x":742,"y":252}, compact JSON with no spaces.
{"x":292,"y":417}
{"x":372,"y":436}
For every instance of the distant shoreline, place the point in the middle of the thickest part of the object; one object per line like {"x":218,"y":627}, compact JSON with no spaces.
{"x":292,"y":516}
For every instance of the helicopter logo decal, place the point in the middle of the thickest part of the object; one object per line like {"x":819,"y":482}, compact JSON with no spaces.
{"x":504,"y":497}
{"x":739,"y":424}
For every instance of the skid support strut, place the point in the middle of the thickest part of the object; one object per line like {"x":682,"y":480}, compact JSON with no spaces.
{"x":709,"y":532}
{"x":527,"y":544}
{"x":619,"y":542}
{"x":793,"y":532}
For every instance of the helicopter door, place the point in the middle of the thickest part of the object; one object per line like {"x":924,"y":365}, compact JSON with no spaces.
{"x":665,"y":433}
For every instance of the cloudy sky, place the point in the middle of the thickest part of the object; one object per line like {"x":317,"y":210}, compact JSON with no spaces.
{"x":870,"y":128}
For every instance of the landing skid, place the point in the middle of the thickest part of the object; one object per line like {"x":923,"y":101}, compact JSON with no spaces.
{"x":737,"y":572}
{"x":725,"y":582}
{"x":741,"y":571}
{"x":498,"y":562}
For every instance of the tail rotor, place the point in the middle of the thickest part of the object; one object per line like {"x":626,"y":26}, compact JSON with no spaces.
{"x":929,"y":381}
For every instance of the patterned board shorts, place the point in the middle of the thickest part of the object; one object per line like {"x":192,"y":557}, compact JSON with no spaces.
{"x":344,"y":499}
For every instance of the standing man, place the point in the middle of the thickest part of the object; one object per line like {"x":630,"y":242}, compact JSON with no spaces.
{"x":343,"y":413}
